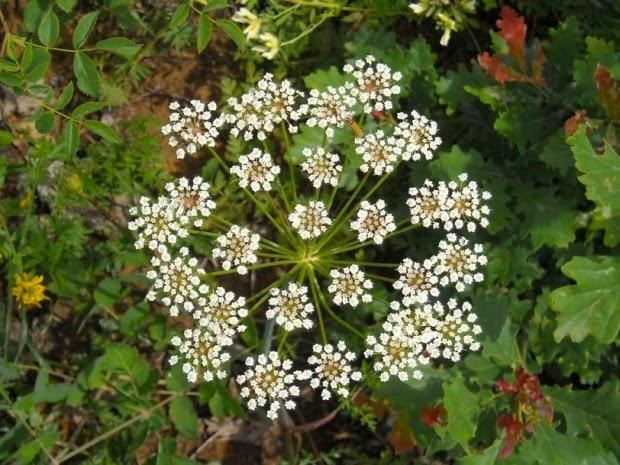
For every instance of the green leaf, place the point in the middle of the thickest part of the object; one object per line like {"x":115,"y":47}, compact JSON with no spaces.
{"x":503,"y":351}
{"x":204,"y":32}
{"x":127,"y":359}
{"x":462,"y":408}
{"x":65,"y":97}
{"x":103,"y":130}
{"x":45,"y":122}
{"x":71,"y":138}
{"x":323,"y":78}
{"x":594,"y":412}
{"x":38,"y":64}
{"x":86,"y":108}
{"x":179,"y":16}
{"x":49,"y":28}
{"x":122,"y":46}
{"x":83,"y":28}
{"x":232,"y":30}
{"x":602,"y":180}
{"x":216,"y":5}
{"x":66,"y":5}
{"x":107,"y":292}
{"x":556,"y":153}
{"x":553,"y":448}
{"x":86,"y":74}
{"x":592,"y":306}
{"x":184,"y":416}
{"x":486,"y":457}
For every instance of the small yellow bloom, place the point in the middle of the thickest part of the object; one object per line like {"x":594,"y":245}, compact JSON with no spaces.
{"x":28,"y":290}
{"x":253,"y":22}
{"x":270,"y":47}
{"x":26,"y":200}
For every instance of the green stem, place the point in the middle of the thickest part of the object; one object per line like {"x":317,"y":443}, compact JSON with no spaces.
{"x":267,"y":335}
{"x":317,"y":304}
{"x":253,"y":267}
{"x":375,"y":264}
{"x":291,"y":166}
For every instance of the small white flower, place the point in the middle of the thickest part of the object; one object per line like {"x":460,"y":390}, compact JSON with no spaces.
{"x":379,"y":152}
{"x":333,"y":371}
{"x":329,"y":108}
{"x":375,"y":83}
{"x":349,"y":286}
{"x":417,"y":281}
{"x":268,"y":380}
{"x":192,"y":200}
{"x":464,"y":207}
{"x":427,"y":204}
{"x":373,"y":222}
{"x":222,"y":312}
{"x":417,"y":136}
{"x":157,"y":225}
{"x":256,"y":170}
{"x":311,"y":220}
{"x":237,"y":248}
{"x":177,"y":282}
{"x":202,"y":353}
{"x":457,"y":263}
{"x":321,"y":166}
{"x":191,"y":127}
{"x":396,"y":354}
{"x":290,"y":307}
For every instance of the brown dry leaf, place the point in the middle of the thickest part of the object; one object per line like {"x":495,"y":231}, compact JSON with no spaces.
{"x":400,"y":436}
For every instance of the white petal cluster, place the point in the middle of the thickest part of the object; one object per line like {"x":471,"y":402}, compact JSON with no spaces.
{"x":256,"y":170}
{"x":157,"y":225}
{"x":349,"y":286}
{"x":237,"y":248}
{"x":311,"y":220}
{"x":270,"y":380}
{"x":177,"y":282}
{"x":332,"y":369}
{"x":290,"y":307}
{"x":191,"y":127}
{"x":202,"y":353}
{"x":458,"y":263}
{"x":330,"y":108}
{"x":417,"y":281}
{"x":321,"y":167}
{"x":222,"y":312}
{"x":259,"y":111}
{"x":379,"y":152}
{"x":373,"y":222}
{"x":449,"y":205}
{"x":417,"y":136}
{"x":191,"y":200}
{"x":375,"y":83}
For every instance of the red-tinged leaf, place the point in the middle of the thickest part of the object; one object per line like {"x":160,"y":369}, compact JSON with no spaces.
{"x":537,"y":67}
{"x":433,"y":416}
{"x":400,"y":436}
{"x":512,"y":29}
{"x":572,"y":124}
{"x":505,"y":387}
{"x":495,"y":68}
{"x":378,"y":407}
{"x":607,"y":95}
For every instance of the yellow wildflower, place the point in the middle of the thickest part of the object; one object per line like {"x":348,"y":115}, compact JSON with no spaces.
{"x":29,"y":290}
{"x":253,"y":22}
{"x":270,"y":47}
{"x":26,"y":200}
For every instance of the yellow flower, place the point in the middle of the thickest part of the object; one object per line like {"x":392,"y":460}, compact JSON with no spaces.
{"x":26,"y":200}
{"x":270,"y":47}
{"x":253,"y":22}
{"x":28,"y":290}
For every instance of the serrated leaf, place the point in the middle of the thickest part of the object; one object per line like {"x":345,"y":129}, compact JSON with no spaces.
{"x":66,"y":5}
{"x":462,"y":410}
{"x":127,"y":359}
{"x":602,"y":181}
{"x":65,"y":97}
{"x":486,"y":457}
{"x":103,"y":130}
{"x":45,"y":122}
{"x":183,"y":416}
{"x":556,"y":153}
{"x":38,"y":64}
{"x":86,"y":108}
{"x":49,"y":28}
{"x":216,"y":5}
{"x":504,"y":350}
{"x":553,"y":448}
{"x":88,"y":80}
{"x":592,"y":305}
{"x":122,"y":46}
{"x":232,"y":30}
{"x":203,"y":36}
{"x":83,"y":28}
{"x":179,"y":16}
{"x":71,"y":138}
{"x":323,"y":78}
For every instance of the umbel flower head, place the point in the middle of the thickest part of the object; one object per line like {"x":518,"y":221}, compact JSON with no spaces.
{"x":373,"y":222}
{"x":202,"y":353}
{"x":457,"y":263}
{"x":311,"y":220}
{"x":321,"y":167}
{"x":418,"y":135}
{"x":221,"y":312}
{"x":268,"y":380}
{"x":379,"y":152}
{"x":256,"y":170}
{"x":191,"y":127}
{"x":332,"y":369}
{"x":157,"y":224}
{"x":417,"y":281}
{"x":237,"y":249}
{"x":29,"y":290}
{"x":192,"y":200}
{"x":330,"y":108}
{"x":375,"y":83}
{"x":349,"y":286}
{"x":290,"y":307}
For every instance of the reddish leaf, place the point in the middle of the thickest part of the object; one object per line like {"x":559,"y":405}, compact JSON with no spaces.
{"x":505,"y":387}
{"x":572,"y":124}
{"x":400,"y":436}
{"x":513,"y":430}
{"x":512,"y":29}
{"x":378,"y":407}
{"x":495,"y":68}
{"x":607,"y":95}
{"x":432,"y":416}
{"x":537,"y":67}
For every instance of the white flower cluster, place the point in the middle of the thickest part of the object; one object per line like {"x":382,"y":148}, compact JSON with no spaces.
{"x":332,"y":369}
{"x":375,"y":84}
{"x":290,"y":307}
{"x":222,"y":313}
{"x":177,"y":282}
{"x":373,"y":222}
{"x":321,"y":167}
{"x":237,"y":248}
{"x":418,"y":136}
{"x":311,"y":220}
{"x":457,"y":263}
{"x":270,"y":380}
{"x":330,"y":108}
{"x":157,"y":224}
{"x":349,"y":286}
{"x":449,"y":205}
{"x":203,"y":354}
{"x":417,"y":281}
{"x":256,"y":170}
{"x":191,"y":127}
{"x":192,"y":200}
{"x":379,"y":152}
